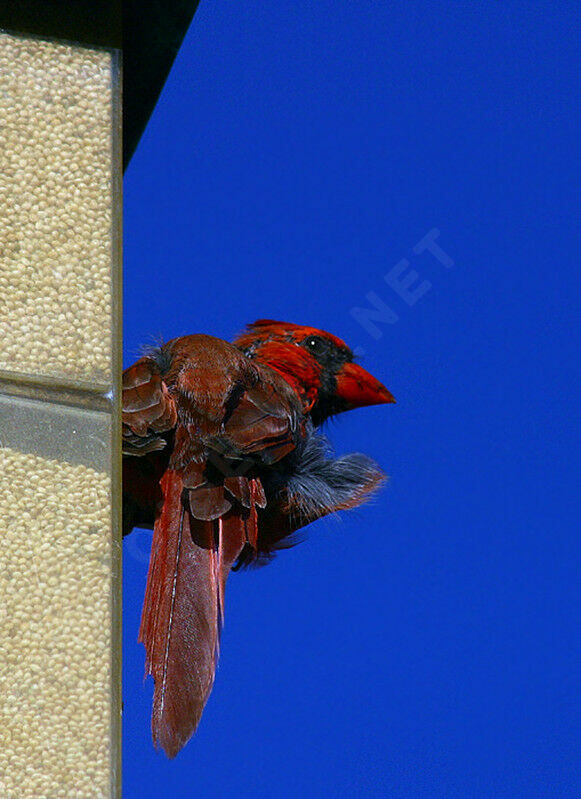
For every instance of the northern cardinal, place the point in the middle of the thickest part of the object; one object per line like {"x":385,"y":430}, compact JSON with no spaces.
{"x":222,"y":459}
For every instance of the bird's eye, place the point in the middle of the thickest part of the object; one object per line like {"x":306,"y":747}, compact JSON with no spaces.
{"x":313,"y":344}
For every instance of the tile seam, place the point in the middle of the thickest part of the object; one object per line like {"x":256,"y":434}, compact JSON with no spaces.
{"x":97,"y":397}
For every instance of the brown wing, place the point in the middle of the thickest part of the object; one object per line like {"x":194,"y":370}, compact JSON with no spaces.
{"x":233,"y":419}
{"x":148,"y":408}
{"x":149,"y":414}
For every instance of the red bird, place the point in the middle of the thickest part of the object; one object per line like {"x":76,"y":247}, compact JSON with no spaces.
{"x":223,"y":461}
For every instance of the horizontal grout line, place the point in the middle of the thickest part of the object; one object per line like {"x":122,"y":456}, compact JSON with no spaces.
{"x":96,"y":397}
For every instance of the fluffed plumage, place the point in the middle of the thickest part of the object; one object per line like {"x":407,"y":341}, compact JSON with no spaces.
{"x":222,"y":459}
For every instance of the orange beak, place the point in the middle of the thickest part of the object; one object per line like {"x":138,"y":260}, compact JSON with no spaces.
{"x":357,"y":388}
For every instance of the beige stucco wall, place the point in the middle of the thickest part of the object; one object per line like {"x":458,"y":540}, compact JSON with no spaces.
{"x":59,"y":469}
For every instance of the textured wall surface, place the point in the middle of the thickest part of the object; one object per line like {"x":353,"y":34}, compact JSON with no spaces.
{"x":56,"y":209}
{"x":59,"y":474}
{"x":55,"y":600}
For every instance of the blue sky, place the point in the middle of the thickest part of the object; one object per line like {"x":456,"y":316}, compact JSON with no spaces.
{"x":422,"y":646}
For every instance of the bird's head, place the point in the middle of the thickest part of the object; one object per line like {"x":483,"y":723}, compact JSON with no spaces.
{"x":318,"y":365}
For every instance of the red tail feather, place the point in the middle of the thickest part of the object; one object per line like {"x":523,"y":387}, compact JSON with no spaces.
{"x":180,"y":622}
